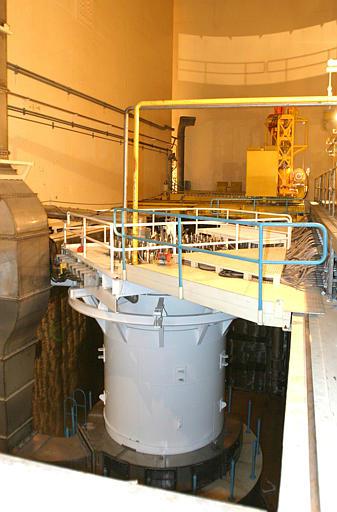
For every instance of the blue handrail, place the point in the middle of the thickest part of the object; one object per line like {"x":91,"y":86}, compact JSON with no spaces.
{"x":220,"y":220}
{"x":287,"y":201}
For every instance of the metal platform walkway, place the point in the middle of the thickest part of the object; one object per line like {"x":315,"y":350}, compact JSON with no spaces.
{"x":189,"y":270}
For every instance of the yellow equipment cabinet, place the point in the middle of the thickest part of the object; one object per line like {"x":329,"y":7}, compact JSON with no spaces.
{"x":262,"y":172}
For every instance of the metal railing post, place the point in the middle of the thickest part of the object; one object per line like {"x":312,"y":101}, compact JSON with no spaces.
{"x":260,"y":277}
{"x":180,"y":259}
{"x":334,"y":192}
{"x":232,"y":480}
{"x":64,"y":233}
{"x":84,"y":241}
{"x":194,"y":483}
{"x":258,"y":433}
{"x":254,"y":454}
{"x":112,"y":249}
{"x":123,"y":247}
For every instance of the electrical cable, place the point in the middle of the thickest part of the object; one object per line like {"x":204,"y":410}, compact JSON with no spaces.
{"x":304,"y":246}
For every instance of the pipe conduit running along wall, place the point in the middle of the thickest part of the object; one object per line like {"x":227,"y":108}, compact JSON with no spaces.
{"x":184,"y":121}
{"x":3,"y":84}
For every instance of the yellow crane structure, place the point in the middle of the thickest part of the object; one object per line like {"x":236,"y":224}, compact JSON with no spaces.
{"x":282,"y":129}
{"x":271,"y":169}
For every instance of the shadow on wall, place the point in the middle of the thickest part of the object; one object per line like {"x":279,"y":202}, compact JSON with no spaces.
{"x":256,"y":59}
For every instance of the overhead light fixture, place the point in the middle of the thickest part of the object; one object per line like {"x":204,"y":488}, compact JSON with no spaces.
{"x":331,"y":68}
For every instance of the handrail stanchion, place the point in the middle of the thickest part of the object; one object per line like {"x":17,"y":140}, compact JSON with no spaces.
{"x":84,"y":241}
{"x":260,"y":305}
{"x":232,"y":480}
{"x":174,"y":238}
{"x":258,"y":433}
{"x":153,"y":228}
{"x":64,"y":234}
{"x":289,"y":238}
{"x":123,"y":248}
{"x":112,"y":249}
{"x":180,"y":259}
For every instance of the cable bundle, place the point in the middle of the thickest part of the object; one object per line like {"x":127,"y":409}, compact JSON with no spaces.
{"x":304,"y":246}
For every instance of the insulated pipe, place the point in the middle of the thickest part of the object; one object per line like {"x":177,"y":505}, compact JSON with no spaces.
{"x":125,"y":157}
{"x":83,"y":116}
{"x":184,"y":121}
{"x":3,"y":83}
{"x":282,"y":101}
{"x":135,"y":182}
{"x":69,"y":90}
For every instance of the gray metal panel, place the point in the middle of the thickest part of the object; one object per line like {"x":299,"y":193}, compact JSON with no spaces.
{"x":19,"y":321}
{"x":9,"y":279}
{"x":17,"y":370}
{"x":24,"y":291}
{"x":33,"y":261}
{"x":27,"y":213}
{"x":16,"y":410}
{"x":24,"y":266}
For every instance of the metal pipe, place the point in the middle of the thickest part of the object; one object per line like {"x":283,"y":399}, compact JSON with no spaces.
{"x":3,"y":83}
{"x":254,"y":454}
{"x":232,"y":480}
{"x":135,"y":182}
{"x":260,"y":277}
{"x":148,"y":147}
{"x":258,"y":433}
{"x":83,"y":116}
{"x":85,"y":237}
{"x":91,"y":129}
{"x":112,"y":254}
{"x":184,"y":121}
{"x":69,"y":90}
{"x":286,"y":101}
{"x":125,"y":159}
{"x":180,"y":259}
{"x":194,"y":483}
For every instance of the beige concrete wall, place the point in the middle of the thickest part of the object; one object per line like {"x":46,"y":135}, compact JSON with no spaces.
{"x":248,"y":48}
{"x":116,"y":50}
